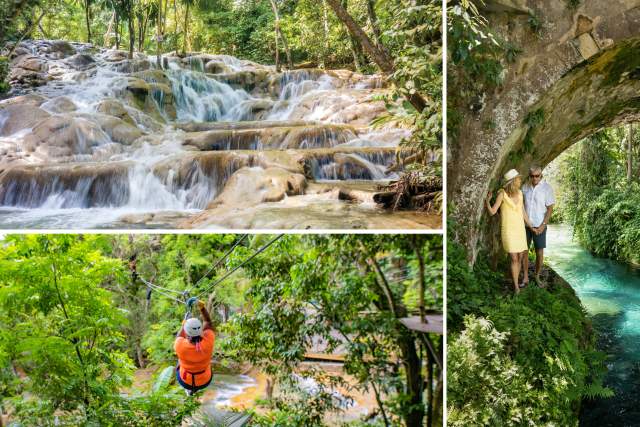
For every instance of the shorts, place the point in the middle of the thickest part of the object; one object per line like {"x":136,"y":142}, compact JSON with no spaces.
{"x":539,"y":240}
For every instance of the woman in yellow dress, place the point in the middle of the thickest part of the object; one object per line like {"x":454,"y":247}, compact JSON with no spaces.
{"x":512,"y":220}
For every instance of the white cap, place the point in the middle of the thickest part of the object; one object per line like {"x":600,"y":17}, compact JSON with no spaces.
{"x":510,"y":175}
{"x":193,"y":327}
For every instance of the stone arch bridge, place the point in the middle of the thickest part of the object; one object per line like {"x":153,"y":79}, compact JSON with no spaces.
{"x":578,"y":73}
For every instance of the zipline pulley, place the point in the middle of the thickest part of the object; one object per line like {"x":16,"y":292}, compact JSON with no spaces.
{"x":190,"y":301}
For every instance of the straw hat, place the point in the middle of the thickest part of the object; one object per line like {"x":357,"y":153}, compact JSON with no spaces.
{"x":510,"y":175}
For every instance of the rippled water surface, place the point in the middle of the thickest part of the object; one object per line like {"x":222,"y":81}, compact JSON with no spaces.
{"x":610,"y":291}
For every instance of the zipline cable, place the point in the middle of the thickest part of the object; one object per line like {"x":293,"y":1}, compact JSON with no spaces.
{"x":258,"y":252}
{"x":158,"y":289}
{"x":184,"y":294}
{"x":221,"y":260}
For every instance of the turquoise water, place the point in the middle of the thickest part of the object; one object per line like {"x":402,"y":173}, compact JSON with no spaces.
{"x":610,"y":291}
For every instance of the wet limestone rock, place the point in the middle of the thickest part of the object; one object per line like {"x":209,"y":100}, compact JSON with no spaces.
{"x":117,"y":129}
{"x":81,"y":61}
{"x":63,"y":136}
{"x":217,"y":67}
{"x":251,"y":186}
{"x":347,"y":106}
{"x":113,"y":107}
{"x":30,"y":99}
{"x":272,"y":137}
{"x":16,"y":116}
{"x":104,"y":184}
{"x":152,"y":98}
{"x":56,"y":49}
{"x":113,"y":55}
{"x":60,"y":104}
{"x":28,"y":70}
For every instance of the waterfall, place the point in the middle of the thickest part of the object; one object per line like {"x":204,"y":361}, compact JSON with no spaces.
{"x":352,"y":166}
{"x":124,"y":137}
{"x":203,"y":99}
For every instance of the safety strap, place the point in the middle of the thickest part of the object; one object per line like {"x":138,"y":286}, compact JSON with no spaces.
{"x":193,"y":376}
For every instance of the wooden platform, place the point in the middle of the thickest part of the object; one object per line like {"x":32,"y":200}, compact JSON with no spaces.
{"x":434,"y":324}
{"x":324,"y":357}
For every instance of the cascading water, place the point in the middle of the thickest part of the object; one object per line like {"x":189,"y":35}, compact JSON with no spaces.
{"x":106,"y":141}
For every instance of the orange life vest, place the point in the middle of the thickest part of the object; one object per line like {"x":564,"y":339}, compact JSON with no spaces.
{"x":195,"y":364}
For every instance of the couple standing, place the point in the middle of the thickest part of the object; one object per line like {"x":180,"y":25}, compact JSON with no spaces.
{"x":531,"y":206}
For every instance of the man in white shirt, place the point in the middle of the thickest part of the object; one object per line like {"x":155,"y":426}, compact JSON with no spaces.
{"x":538,"y":202}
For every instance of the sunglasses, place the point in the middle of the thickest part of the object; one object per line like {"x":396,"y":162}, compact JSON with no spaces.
{"x":535,"y":176}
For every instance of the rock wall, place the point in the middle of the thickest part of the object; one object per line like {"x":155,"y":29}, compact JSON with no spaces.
{"x":578,"y":73}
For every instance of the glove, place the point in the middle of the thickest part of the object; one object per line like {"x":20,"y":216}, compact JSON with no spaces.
{"x":201,"y":305}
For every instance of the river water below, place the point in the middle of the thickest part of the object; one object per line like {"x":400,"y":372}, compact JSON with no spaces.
{"x":610,"y":292}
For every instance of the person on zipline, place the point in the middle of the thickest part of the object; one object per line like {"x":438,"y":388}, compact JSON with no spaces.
{"x":194,"y":347}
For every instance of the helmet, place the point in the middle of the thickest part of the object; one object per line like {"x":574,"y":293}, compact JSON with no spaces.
{"x":193,"y":327}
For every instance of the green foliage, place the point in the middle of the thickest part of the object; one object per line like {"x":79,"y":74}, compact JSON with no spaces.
{"x":533,"y":120}
{"x":298,"y":407}
{"x":529,"y":359}
{"x":75,"y":322}
{"x":573,"y":4}
{"x":319,"y":286}
{"x":598,"y":200}
{"x":473,"y":49}
{"x":4,"y":73}
{"x":414,"y":37}
{"x":534,"y":23}
{"x":61,"y":328}
{"x":476,"y":61}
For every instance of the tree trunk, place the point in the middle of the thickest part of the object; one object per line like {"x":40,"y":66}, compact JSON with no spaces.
{"x":429,"y":389}
{"x":276,"y":23}
{"x":408,"y":352}
{"x":132,"y":31}
{"x":325,"y":27}
{"x":373,"y":21}
{"x":117,"y":31}
{"x":159,"y":35}
{"x":630,"y":153}
{"x":421,"y":283}
{"x":11,"y":13}
{"x":437,"y":402}
{"x":26,"y":33}
{"x":186,"y":29}
{"x":106,"y":39}
{"x":269,"y":388}
{"x":379,"y":56}
{"x":175,"y":16}
{"x":380,"y":403}
{"x":413,"y":374}
{"x":141,"y":18}
{"x":287,"y":51}
{"x":140,"y":356}
{"x":87,"y":19}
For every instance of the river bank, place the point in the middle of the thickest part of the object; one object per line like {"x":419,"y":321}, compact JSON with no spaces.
{"x":529,"y":357}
